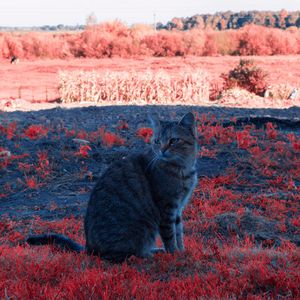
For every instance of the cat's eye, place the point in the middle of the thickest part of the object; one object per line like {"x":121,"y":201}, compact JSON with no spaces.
{"x":157,"y":141}
{"x":174,"y":141}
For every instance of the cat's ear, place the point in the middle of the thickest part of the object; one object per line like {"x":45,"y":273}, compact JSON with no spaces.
{"x":188,"y":121}
{"x":154,"y":121}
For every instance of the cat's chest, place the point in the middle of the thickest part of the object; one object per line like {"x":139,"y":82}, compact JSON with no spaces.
{"x":179,"y":188}
{"x":188,"y":190}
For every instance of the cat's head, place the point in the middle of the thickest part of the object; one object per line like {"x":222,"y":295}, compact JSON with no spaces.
{"x":175,"y":141}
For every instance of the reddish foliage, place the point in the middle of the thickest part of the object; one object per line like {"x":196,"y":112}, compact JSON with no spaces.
{"x":9,"y":130}
{"x":165,"y":43}
{"x":212,"y":265}
{"x":294,"y":141}
{"x":116,"y":39}
{"x":145,"y":133}
{"x":248,"y":76}
{"x":110,"y":139}
{"x":256,"y":40}
{"x":70,"y":132}
{"x":24,"y":167}
{"x":208,"y":153}
{"x":245,"y":140}
{"x":123,"y":125}
{"x":81,"y":134}
{"x":83,"y":151}
{"x":271,"y":131}
{"x":210,"y":46}
{"x":218,"y":133}
{"x":34,"y":132}
{"x":31,"y":182}
{"x":205,"y":270}
{"x":43,"y":166}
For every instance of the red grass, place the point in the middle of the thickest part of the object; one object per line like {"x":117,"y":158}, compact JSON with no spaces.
{"x":123,"y":125}
{"x":34,"y":132}
{"x":245,"y":140}
{"x":43,"y":166}
{"x":9,"y":130}
{"x":213,"y":265}
{"x":207,"y":152}
{"x":109,"y":139}
{"x":145,"y":133}
{"x":83,"y":151}
{"x":31,"y":182}
{"x":205,"y":270}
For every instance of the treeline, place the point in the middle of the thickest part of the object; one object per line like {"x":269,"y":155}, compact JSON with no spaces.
{"x":115,"y":39}
{"x":59,"y":27}
{"x":230,"y":20}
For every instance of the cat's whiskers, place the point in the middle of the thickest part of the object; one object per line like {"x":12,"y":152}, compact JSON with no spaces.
{"x":152,"y":161}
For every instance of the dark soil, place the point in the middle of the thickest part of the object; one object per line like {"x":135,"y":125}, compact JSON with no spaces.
{"x":66,"y":190}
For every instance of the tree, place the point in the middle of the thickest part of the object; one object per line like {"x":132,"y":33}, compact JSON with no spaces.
{"x":91,"y":20}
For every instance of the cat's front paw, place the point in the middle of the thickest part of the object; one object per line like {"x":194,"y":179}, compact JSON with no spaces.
{"x":171,"y":249}
{"x":181,"y":248}
{"x":158,"y":250}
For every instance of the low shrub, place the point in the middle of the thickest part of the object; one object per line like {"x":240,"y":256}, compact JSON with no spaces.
{"x":247,"y":76}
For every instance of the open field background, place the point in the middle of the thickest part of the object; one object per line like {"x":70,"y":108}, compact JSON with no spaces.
{"x":37,"y":81}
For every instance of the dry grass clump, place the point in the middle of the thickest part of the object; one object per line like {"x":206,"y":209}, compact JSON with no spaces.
{"x":281,"y":91}
{"x":237,"y":95}
{"x":150,"y":87}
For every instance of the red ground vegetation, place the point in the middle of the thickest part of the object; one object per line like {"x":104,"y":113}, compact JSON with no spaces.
{"x":35,"y":131}
{"x":116,"y":40}
{"x":83,"y":151}
{"x":145,"y":133}
{"x":238,"y":259}
{"x":204,"y":270}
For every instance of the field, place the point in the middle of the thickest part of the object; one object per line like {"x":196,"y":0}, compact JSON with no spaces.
{"x":242,"y":227}
{"x":37,"y":81}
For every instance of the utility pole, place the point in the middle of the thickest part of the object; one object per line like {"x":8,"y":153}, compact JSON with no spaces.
{"x":154,"y":18}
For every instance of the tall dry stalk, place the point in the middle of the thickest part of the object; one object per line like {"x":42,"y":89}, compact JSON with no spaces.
{"x":189,"y":87}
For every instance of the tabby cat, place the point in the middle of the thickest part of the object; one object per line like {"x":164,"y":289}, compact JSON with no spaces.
{"x":139,"y":197}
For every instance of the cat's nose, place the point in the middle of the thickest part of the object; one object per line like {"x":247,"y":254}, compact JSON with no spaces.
{"x":164,"y":148}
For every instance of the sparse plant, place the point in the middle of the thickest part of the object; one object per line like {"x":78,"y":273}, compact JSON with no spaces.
{"x":247,"y":76}
{"x":145,"y":133}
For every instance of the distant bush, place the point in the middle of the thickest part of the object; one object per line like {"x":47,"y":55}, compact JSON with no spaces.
{"x":115,"y":39}
{"x":257,"y":40}
{"x":132,"y":87}
{"x":247,"y":76}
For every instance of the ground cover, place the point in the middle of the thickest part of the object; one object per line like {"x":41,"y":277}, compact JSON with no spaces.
{"x":242,"y":225}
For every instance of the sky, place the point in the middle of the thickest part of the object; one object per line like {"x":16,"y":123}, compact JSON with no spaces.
{"x":73,"y":12}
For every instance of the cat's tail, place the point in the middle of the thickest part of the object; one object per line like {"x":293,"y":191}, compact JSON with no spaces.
{"x":57,"y":240}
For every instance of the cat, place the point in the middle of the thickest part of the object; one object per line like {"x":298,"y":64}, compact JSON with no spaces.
{"x":140,"y":197}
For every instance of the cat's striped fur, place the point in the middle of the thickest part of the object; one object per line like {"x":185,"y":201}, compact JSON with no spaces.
{"x":141,"y":197}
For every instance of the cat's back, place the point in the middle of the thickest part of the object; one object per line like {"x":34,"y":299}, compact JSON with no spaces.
{"x":126,"y":175}
{"x":121,"y":213}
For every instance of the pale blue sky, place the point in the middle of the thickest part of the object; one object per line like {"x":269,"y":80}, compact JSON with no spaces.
{"x":53,"y":12}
